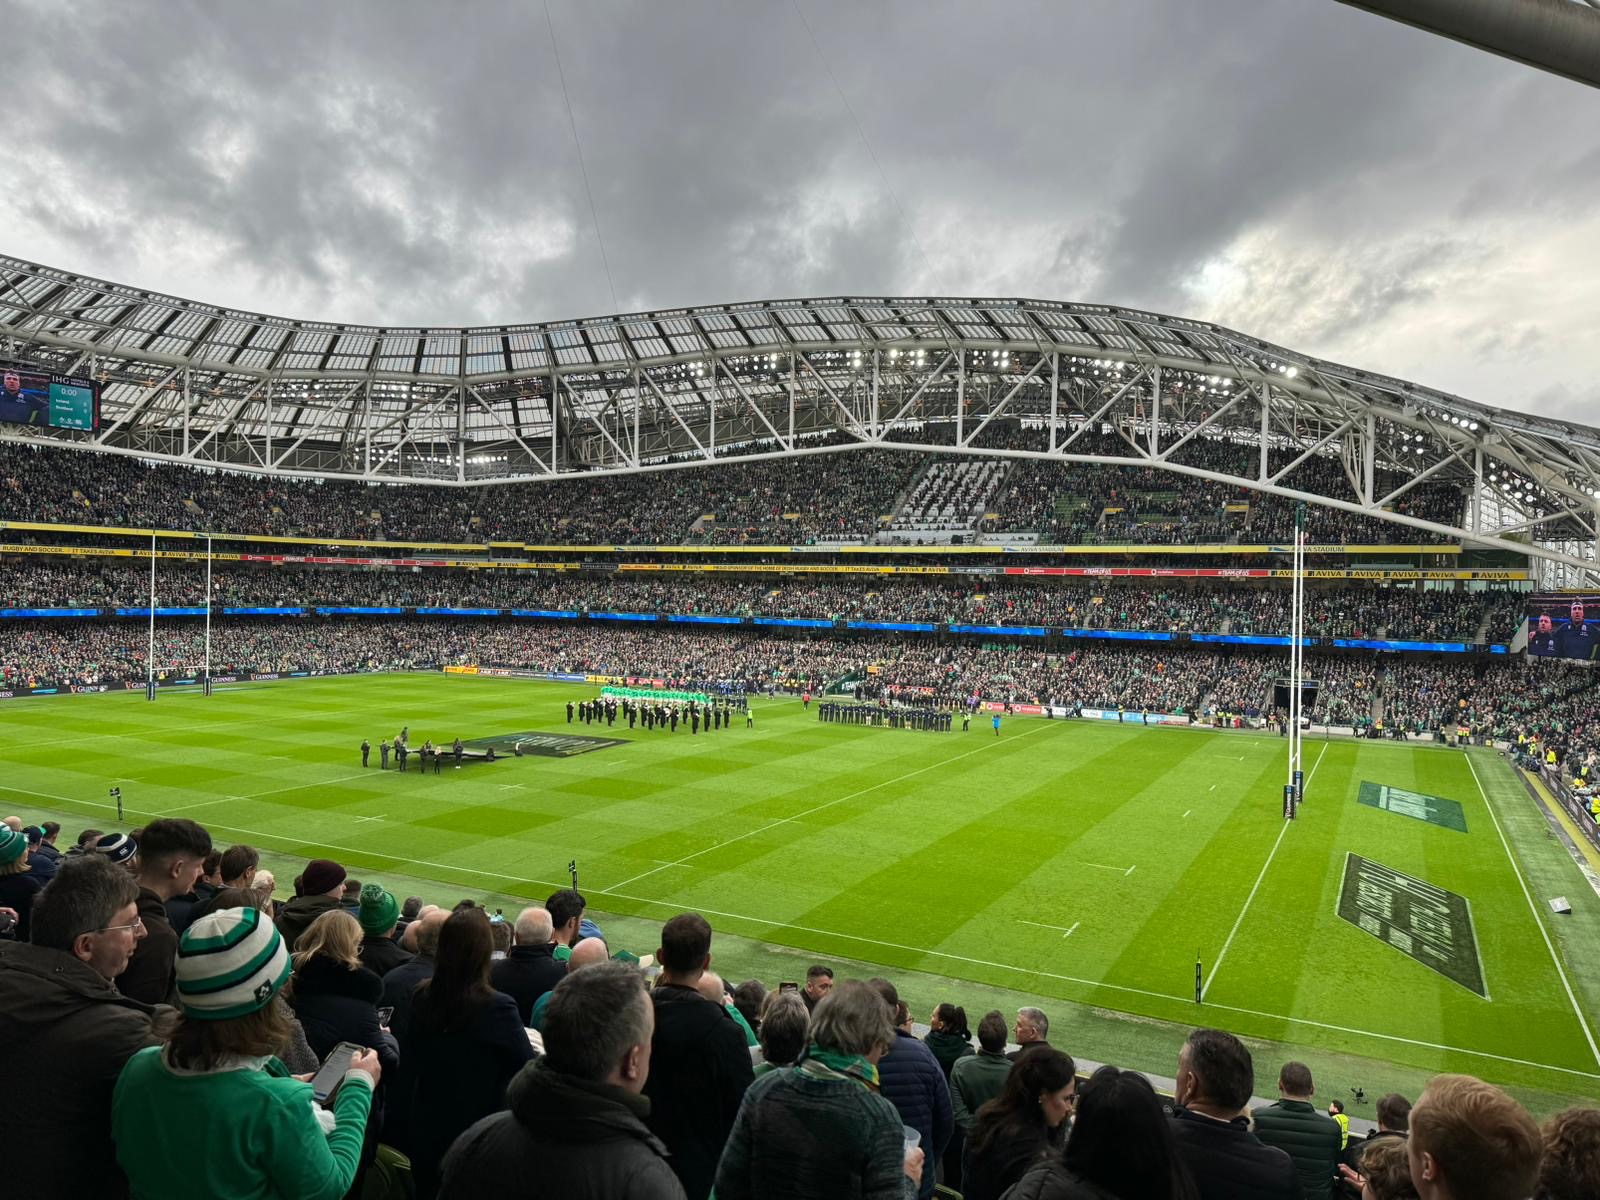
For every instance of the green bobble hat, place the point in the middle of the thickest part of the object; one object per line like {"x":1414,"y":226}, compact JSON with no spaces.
{"x":379,"y":910}
{"x":12,"y":844}
{"x":230,"y":964}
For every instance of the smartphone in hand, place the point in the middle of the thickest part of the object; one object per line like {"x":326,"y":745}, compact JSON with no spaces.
{"x":325,"y":1083}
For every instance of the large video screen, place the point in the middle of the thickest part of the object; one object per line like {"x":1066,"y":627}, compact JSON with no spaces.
{"x":32,"y":397}
{"x":1564,"y":625}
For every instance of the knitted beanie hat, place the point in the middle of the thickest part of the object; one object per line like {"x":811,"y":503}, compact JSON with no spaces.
{"x":379,"y":910}
{"x":12,"y":844}
{"x":118,"y":847}
{"x":321,"y":876}
{"x":230,"y":964}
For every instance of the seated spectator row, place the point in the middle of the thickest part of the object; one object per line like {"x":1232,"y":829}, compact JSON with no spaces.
{"x":184,"y":1008}
{"x":1134,"y":604}
{"x":800,"y":499}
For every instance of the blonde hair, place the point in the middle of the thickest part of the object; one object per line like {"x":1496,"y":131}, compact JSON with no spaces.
{"x":16,"y":866}
{"x":336,"y":935}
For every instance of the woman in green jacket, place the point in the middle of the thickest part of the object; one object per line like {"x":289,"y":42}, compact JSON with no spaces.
{"x":213,"y":1112}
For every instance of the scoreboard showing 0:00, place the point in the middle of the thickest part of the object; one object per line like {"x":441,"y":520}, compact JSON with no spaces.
{"x":29,"y":396}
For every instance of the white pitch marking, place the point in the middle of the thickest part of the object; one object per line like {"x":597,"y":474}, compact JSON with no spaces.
{"x":203,"y":803}
{"x":377,"y":818}
{"x":1216,"y":966}
{"x":1129,"y":871}
{"x":1555,"y":959}
{"x":1066,"y":932}
{"x":1106,"y":867}
{"x":837,"y":935}
{"x":1213,"y":787}
{"x":1187,"y":813}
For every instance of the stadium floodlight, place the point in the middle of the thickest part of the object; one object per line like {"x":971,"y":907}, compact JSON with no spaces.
{"x":1292,"y":372}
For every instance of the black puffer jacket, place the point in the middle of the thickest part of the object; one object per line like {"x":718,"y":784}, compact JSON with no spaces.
{"x":1052,"y":1181}
{"x":337,"y":1004}
{"x":563,"y":1139}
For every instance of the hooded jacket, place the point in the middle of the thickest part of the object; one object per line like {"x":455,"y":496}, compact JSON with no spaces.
{"x":298,"y":914}
{"x":63,"y":1022}
{"x":699,"y":1070}
{"x":563,"y":1138}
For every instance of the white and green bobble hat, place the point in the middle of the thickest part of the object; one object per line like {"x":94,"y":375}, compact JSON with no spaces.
{"x":230,"y":964}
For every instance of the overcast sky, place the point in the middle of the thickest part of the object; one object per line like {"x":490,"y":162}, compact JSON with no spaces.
{"x":1295,"y":169}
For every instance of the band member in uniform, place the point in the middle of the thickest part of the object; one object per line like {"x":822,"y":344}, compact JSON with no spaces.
{"x":383,"y":755}
{"x":569,"y":712}
{"x":366,"y":750}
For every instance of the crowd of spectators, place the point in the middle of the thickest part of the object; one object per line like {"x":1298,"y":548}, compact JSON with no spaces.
{"x":1073,"y":503}
{"x":1360,"y":690}
{"x":1130,"y":604}
{"x":185,"y":1008}
{"x":801,"y":499}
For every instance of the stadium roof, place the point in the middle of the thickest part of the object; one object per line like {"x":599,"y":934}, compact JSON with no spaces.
{"x":192,"y":382}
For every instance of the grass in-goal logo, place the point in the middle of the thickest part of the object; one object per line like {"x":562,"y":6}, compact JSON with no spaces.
{"x":1435,"y":810}
{"x":1423,"y":922}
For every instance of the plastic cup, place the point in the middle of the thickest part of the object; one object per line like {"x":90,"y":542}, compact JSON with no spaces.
{"x":912,"y":1137}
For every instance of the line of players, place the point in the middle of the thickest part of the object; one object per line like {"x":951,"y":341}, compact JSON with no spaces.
{"x":927,"y":719}
{"x":714,"y":715}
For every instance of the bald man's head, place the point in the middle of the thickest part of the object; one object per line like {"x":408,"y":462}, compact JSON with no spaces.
{"x":534,"y":927}
{"x":586,"y":953}
{"x":427,"y":928}
{"x":710,"y":986}
{"x":13,"y":823}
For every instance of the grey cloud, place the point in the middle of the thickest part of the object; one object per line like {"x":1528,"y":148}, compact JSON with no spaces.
{"x":412,"y":162}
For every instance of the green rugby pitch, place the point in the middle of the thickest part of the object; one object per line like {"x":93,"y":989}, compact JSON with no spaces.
{"x":1065,"y":861}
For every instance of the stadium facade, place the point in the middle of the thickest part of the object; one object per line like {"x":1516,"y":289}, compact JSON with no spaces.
{"x":187,"y":382}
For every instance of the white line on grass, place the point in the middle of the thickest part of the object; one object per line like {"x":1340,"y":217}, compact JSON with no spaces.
{"x":377,"y":818}
{"x":1555,"y":958}
{"x":1129,"y":871}
{"x":1189,"y":811}
{"x":403,"y":862}
{"x":298,"y":787}
{"x":1217,"y":966}
{"x":201,"y":804}
{"x":1105,"y":867}
{"x":1041,"y":925}
{"x":943,"y":762}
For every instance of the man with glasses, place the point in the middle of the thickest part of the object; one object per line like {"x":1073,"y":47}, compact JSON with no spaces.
{"x":58,"y":999}
{"x":172,"y":854}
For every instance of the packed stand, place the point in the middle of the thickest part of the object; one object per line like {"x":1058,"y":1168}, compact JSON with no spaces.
{"x":800,"y":499}
{"x":1146,"y":605}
